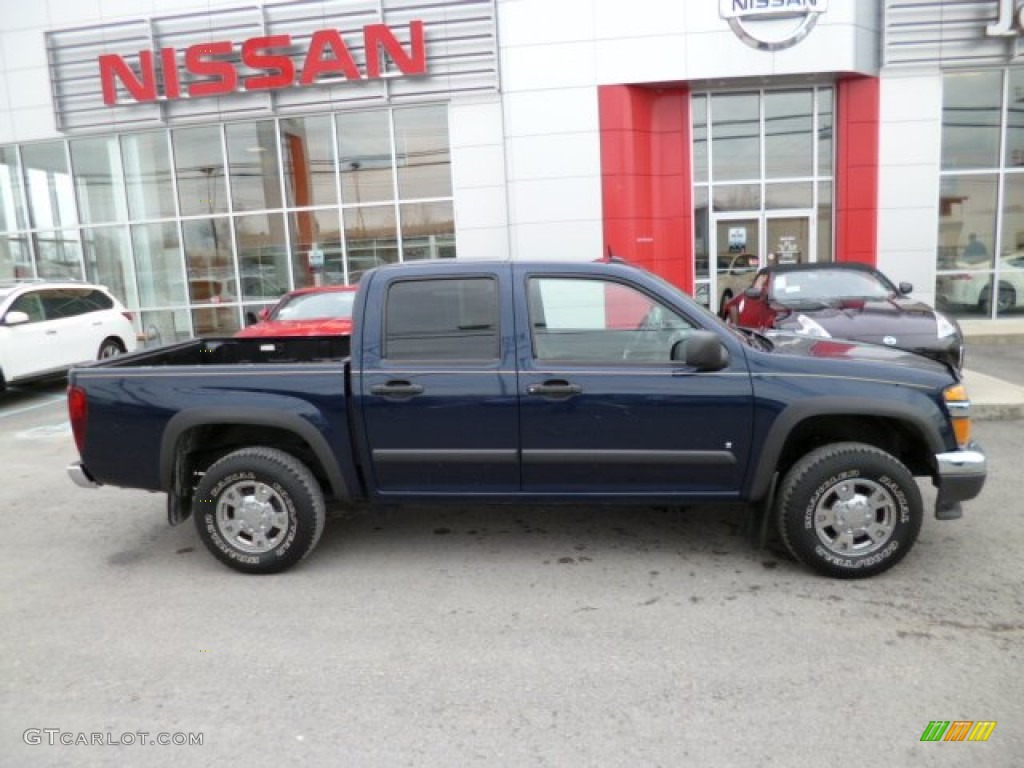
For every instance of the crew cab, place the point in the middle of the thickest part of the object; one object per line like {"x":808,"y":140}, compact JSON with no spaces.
{"x":531,"y":382}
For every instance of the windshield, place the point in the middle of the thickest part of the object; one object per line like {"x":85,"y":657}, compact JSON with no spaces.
{"x":316,"y":306}
{"x":829,"y":285}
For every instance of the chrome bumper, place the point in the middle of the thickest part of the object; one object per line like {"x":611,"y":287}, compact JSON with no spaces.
{"x":81,"y":478}
{"x":960,"y":476}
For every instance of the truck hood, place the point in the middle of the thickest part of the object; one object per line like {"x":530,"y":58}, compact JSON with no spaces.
{"x":799,"y":345}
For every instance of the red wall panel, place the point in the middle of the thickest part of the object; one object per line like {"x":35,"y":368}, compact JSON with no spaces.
{"x":857,"y":125}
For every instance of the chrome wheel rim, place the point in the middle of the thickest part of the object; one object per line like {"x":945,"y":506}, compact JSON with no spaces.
{"x":252,"y":516}
{"x":109,"y":350}
{"x":855,"y":517}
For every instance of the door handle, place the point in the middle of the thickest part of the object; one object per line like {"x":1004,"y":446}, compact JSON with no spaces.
{"x":396,"y":389}
{"x":555,"y":388}
{"x":51,"y":333}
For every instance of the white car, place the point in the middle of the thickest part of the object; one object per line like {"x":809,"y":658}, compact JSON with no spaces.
{"x":974,"y":289}
{"x":48,"y":326}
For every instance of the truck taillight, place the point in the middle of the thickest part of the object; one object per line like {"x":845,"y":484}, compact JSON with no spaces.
{"x":77,"y":412}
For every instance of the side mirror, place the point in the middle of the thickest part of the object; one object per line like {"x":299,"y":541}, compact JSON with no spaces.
{"x":16,"y":318}
{"x":752,"y":293}
{"x":702,"y":350}
{"x":906,"y":288}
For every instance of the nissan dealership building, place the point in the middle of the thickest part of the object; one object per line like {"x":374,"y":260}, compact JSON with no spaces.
{"x":201,"y":158}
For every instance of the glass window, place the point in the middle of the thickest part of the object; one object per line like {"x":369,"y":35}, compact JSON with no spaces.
{"x":737,"y":197}
{"x":971,"y":106}
{"x":12,"y":211}
{"x":967,"y":221}
{"x":825,"y":130}
{"x":308,"y":147}
{"x":158,"y":265}
{"x":735,"y":136}
{"x":165,"y":326}
{"x":699,"y":129}
{"x":147,"y":166}
{"x":364,"y":157}
{"x":58,"y":254}
{"x":262,"y":256}
{"x":15,"y":261}
{"x":215,"y":321}
{"x":782,"y":195}
{"x":788,"y":133}
{"x":700,"y":229}
{"x":199,"y":165}
{"x":371,"y":237}
{"x":108,"y":257}
{"x":99,"y":180}
{"x":443,"y":319}
{"x":51,"y":198}
{"x":825,"y":222}
{"x":252,"y":158}
{"x":31,"y":304}
{"x":599,"y":321}
{"x":421,"y":152}
{"x":211,"y":270}
{"x":316,"y":231}
{"x":428,"y":231}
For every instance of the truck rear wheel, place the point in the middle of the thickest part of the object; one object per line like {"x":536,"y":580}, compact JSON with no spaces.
{"x":849,"y":510}
{"x":259,"y":510}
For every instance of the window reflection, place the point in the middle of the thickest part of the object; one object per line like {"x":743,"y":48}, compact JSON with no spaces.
{"x":262,"y":256}
{"x":159,"y":273}
{"x":699,"y":131}
{"x":317,"y":231}
{"x":211,"y":272}
{"x":51,"y":198}
{"x":735,"y":136}
{"x":12,"y":212}
{"x":252,"y":158}
{"x":58,"y":254}
{"x":371,"y":237}
{"x":421,"y":152}
{"x":825,"y":129}
{"x":147,"y":166}
{"x":970,"y":120}
{"x":428,"y":231}
{"x":99,"y":180}
{"x":788,"y":133}
{"x":15,"y":261}
{"x":108,"y":261}
{"x":308,"y":148}
{"x":364,"y":157}
{"x":199,"y":166}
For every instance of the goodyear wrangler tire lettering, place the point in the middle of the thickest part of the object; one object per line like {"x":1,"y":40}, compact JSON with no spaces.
{"x":849,"y":510}
{"x":259,"y":510}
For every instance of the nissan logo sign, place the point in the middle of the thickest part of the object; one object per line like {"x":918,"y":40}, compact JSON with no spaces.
{"x":771,"y":25}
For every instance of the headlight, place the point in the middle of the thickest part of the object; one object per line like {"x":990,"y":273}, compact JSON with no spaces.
{"x":809,"y":327}
{"x":944,"y":327}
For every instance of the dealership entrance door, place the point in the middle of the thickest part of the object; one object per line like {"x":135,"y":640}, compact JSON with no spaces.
{"x":745,"y":242}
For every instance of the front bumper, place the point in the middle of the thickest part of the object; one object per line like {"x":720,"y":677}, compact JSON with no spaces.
{"x":960,"y":476}
{"x":81,"y":477}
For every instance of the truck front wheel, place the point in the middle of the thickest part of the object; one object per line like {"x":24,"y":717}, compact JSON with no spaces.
{"x":849,"y":510}
{"x":259,"y":510}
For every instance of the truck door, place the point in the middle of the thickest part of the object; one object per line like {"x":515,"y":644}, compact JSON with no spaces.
{"x":438,"y":387}
{"x":605,"y":410}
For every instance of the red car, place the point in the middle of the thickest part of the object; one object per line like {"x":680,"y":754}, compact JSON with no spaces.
{"x":845,"y":301}
{"x":320,"y":311}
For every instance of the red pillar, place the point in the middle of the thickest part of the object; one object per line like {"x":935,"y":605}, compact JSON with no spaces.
{"x":646,"y":178}
{"x":856,"y":203}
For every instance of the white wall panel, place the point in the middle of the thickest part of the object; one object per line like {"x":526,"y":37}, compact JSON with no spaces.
{"x":481,"y":207}
{"x":543,"y":22}
{"x":541,"y":113}
{"x":475,"y":123}
{"x":63,"y":12}
{"x":641,"y":18}
{"x":556,"y":156}
{"x":481,"y":166}
{"x":485,"y":243}
{"x":539,"y":67}
{"x":568,"y":240}
{"x":535,"y":201}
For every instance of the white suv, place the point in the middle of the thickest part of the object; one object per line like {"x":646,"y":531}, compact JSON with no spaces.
{"x":48,"y":326}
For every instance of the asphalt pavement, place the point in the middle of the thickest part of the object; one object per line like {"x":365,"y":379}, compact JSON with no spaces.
{"x":994,"y":368}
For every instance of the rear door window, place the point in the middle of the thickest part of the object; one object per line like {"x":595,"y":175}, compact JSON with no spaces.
{"x":442,"y":319}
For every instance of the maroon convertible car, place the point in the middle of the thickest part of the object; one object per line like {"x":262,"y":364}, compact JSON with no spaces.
{"x":845,"y":301}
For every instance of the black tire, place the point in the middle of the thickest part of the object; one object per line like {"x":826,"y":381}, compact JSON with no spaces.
{"x":881,"y":516}
{"x":110,"y":348}
{"x":1006,"y":298}
{"x":259,"y":510}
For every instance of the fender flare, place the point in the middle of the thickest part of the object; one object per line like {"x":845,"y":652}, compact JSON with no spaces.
{"x":784,"y":424}
{"x":198,"y":417}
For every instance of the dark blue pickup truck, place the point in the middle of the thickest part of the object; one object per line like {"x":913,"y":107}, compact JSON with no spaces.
{"x":531,"y":382}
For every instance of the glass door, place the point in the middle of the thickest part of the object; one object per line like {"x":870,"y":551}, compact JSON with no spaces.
{"x":788,"y":239}
{"x":735,"y":256}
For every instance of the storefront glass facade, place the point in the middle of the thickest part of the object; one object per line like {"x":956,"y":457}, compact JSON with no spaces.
{"x":763,"y":169}
{"x":199,"y":227}
{"x":980,"y":261}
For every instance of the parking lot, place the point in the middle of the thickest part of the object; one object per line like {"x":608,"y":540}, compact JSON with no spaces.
{"x":493,"y":636}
